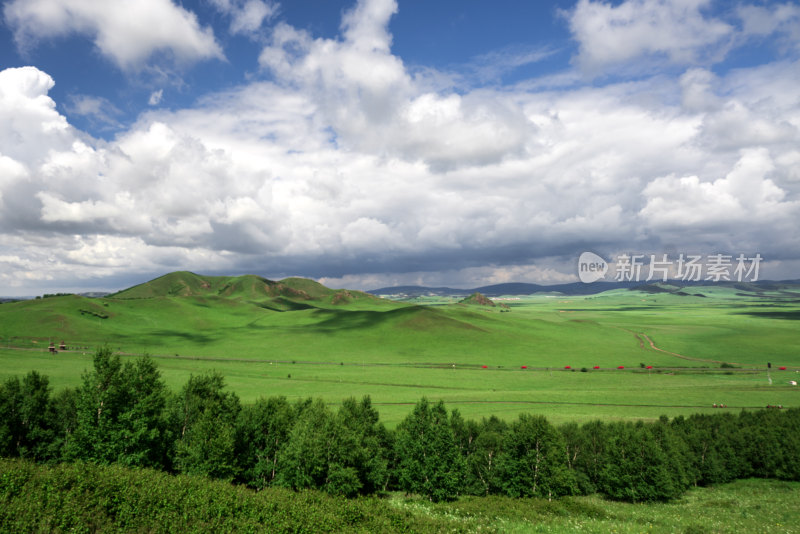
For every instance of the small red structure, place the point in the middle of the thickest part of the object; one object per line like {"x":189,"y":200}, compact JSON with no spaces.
{"x":783,"y":368}
{"x":621,"y":367}
{"x":567,"y":367}
{"x":596,"y":367}
{"x":649,"y":367}
{"x":484,"y":366}
{"x":524,"y":367}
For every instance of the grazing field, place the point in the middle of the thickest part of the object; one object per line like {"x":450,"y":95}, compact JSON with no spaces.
{"x":300,"y":339}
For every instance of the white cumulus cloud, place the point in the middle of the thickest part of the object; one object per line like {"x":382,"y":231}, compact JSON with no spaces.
{"x":128,"y":32}
{"x":346,"y":165}
{"x":373,"y":104}
{"x":677,"y":30}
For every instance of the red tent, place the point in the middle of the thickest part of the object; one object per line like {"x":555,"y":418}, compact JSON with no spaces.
{"x":596,"y":367}
{"x":484,"y":366}
{"x":524,"y":367}
{"x":621,"y":367}
{"x":567,"y":367}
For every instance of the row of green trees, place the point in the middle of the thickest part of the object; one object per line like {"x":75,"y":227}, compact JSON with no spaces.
{"x":124,"y":414}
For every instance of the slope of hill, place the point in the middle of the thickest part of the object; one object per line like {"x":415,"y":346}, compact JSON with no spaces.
{"x":187,"y":309}
{"x":660,"y":287}
{"x":187,"y":284}
{"x":478,"y":299}
{"x":182,"y":283}
{"x":289,"y":293}
{"x":303,"y":286}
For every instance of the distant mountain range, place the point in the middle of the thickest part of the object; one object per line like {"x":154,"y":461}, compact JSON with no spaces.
{"x":502,"y":289}
{"x":184,"y":283}
{"x":579,"y":288}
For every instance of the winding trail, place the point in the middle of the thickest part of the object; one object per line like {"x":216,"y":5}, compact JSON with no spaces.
{"x":675,"y":354}
{"x":653,"y":346}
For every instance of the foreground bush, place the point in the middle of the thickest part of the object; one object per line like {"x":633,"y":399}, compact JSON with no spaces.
{"x":83,"y":497}
{"x":89,"y":498}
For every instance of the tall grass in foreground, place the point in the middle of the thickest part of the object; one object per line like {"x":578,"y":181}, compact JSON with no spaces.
{"x":91,"y":498}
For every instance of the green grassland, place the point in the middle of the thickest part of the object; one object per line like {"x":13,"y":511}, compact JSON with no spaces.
{"x":298,"y":338}
{"x":742,"y":506}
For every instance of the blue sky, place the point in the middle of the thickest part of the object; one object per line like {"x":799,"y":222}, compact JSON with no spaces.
{"x":458,"y":37}
{"x":372,"y":143}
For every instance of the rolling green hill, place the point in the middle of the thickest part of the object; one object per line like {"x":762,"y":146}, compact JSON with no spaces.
{"x":227,"y":316}
{"x":296,"y":337}
{"x":249,"y":287}
{"x":478,"y":299}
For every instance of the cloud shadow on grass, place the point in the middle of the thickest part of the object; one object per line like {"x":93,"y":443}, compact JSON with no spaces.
{"x":789,"y":315}
{"x":412,"y":318}
{"x":192,"y":337}
{"x":334,"y":320}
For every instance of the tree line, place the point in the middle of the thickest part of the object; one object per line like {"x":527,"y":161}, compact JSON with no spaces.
{"x":123,"y":413}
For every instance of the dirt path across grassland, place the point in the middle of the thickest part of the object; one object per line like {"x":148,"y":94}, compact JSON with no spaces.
{"x":681,"y":356}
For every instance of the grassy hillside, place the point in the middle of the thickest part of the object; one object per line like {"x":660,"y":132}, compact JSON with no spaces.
{"x":246,"y":287}
{"x":478,"y":299}
{"x":296,"y":337}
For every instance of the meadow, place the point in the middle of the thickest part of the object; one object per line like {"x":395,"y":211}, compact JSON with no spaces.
{"x":709,"y":347}
{"x":616,"y":356}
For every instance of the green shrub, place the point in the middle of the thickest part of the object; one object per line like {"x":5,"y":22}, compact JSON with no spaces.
{"x":90,"y":498}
